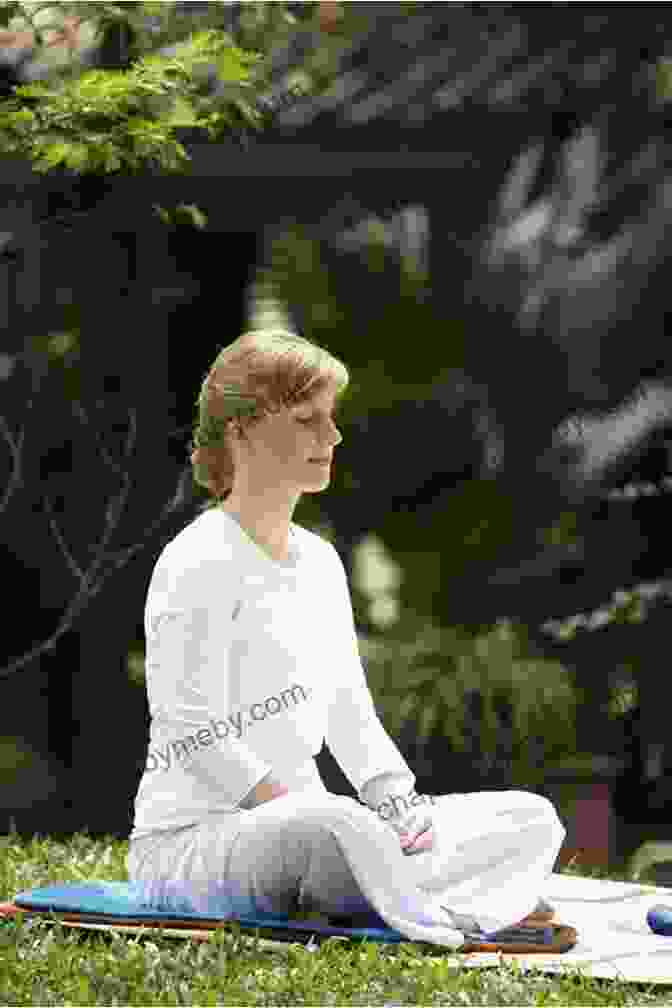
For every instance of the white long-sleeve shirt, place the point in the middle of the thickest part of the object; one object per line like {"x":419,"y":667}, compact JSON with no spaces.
{"x":250,"y":666}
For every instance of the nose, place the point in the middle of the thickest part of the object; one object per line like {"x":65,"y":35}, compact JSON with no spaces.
{"x":336,"y":437}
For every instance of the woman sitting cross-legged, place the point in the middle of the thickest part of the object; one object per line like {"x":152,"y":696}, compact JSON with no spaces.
{"x":252,"y":662}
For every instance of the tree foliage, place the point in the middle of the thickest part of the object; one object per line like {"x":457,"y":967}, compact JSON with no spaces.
{"x":118,"y":120}
{"x":121,"y":120}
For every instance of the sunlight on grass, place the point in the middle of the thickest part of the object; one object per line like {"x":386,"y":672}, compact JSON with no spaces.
{"x":48,"y":964}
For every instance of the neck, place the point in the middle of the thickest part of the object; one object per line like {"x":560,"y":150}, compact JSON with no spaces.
{"x":269,"y":529}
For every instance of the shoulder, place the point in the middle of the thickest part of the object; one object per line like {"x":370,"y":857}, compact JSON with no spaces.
{"x":320,"y":548}
{"x":196,"y":558}
{"x":312,"y":540}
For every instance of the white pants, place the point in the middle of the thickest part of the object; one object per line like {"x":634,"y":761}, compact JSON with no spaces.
{"x":493,"y":852}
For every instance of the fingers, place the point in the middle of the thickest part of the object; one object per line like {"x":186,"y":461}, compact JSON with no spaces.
{"x":420,"y":842}
{"x":416,"y":831}
{"x":411,"y":825}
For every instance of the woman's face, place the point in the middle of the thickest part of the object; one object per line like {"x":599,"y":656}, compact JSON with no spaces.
{"x":281,"y":447}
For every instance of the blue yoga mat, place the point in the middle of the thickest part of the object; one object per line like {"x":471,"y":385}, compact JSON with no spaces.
{"x":120,"y":900}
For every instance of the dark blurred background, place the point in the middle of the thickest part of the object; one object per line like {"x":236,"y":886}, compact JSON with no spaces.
{"x":481,"y":194}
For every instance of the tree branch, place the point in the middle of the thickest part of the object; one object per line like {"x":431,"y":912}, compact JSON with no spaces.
{"x":103,"y":563}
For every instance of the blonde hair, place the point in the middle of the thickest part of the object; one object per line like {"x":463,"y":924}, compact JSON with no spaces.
{"x":261,"y":372}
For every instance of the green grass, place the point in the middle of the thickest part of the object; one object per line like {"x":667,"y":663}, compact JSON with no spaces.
{"x":47,"y":964}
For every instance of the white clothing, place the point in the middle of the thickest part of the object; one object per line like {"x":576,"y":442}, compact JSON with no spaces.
{"x":230,"y":631}
{"x":492,"y":860}
{"x":250,"y":665}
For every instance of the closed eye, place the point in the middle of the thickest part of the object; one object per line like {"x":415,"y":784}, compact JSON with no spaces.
{"x":306,"y":420}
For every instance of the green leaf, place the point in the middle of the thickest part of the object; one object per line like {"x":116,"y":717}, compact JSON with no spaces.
{"x":250,"y":114}
{"x":664,"y":79}
{"x":36,"y":90}
{"x":194,"y":214}
{"x":112,"y":162}
{"x":61,"y":343}
{"x":181,"y":114}
{"x":22,"y":115}
{"x":77,"y":155}
{"x":137,"y":124}
{"x":299,"y":81}
{"x":163,"y":214}
{"x":154,"y":9}
{"x":54,"y":153}
{"x":230,"y":66}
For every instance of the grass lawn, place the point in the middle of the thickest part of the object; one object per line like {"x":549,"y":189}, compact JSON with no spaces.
{"x":44,"y":964}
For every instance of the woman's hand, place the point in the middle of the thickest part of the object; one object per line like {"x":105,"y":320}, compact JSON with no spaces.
{"x":410,"y":827}
{"x":418,"y":843}
{"x":267,"y":789}
{"x":386,"y":791}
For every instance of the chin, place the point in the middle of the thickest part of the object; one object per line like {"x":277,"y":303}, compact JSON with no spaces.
{"x":319,"y":483}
